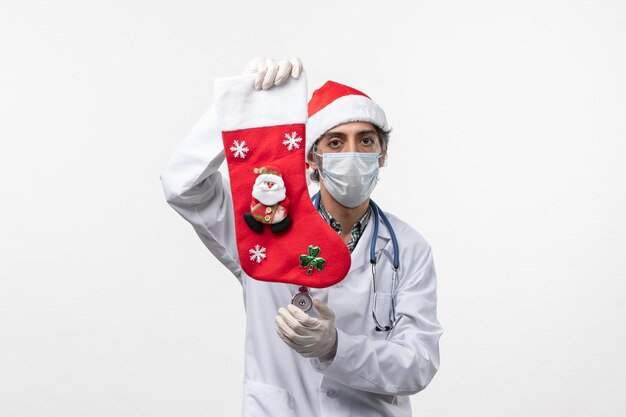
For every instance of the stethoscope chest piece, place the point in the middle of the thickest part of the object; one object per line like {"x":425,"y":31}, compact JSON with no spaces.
{"x":302,"y":300}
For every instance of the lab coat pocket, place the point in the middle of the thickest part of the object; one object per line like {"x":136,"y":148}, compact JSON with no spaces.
{"x":264,"y":400}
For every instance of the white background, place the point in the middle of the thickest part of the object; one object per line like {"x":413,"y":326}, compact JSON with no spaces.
{"x":507,"y":154}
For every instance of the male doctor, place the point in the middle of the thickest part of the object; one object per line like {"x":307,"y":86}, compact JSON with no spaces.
{"x":339,"y":359}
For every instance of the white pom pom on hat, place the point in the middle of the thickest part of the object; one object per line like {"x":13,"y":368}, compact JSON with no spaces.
{"x":333,"y":104}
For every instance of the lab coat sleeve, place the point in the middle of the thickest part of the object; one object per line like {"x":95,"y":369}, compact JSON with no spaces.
{"x":194,"y":187}
{"x":407,"y":360}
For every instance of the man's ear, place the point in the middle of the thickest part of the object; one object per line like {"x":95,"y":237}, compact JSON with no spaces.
{"x":311,"y":162}
{"x":383,"y":159}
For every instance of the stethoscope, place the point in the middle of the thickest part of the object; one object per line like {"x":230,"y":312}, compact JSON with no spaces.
{"x":393,"y":260}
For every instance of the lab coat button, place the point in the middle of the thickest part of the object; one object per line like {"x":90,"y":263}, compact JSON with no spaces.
{"x":331,"y":394}
{"x":268,"y":209}
{"x":267,"y":218}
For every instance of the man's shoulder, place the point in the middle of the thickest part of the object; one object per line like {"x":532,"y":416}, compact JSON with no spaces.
{"x":415,"y":251}
{"x":407,"y":233}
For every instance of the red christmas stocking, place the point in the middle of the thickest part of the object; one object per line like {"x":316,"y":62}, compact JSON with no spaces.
{"x":280,"y":235}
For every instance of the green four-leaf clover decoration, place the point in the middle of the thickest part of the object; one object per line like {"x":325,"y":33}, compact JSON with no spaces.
{"x":311,"y":260}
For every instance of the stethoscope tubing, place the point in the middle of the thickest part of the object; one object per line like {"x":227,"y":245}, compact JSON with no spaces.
{"x":378,"y":214}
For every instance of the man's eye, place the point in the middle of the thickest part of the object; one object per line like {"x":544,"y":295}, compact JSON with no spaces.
{"x":367,"y":141}
{"x":334,"y":143}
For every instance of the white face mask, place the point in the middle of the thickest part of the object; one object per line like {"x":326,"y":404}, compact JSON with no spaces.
{"x":350,"y":177}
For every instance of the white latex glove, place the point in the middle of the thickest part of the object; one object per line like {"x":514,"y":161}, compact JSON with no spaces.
{"x":270,"y":73}
{"x":309,"y":336}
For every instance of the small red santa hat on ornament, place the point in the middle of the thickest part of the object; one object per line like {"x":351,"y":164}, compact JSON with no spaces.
{"x":269,"y":173}
{"x":333,"y":104}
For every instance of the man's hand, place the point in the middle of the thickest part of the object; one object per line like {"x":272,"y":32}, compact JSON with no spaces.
{"x":309,"y":336}
{"x":270,"y":73}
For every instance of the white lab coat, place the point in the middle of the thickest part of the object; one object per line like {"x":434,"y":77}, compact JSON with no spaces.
{"x":373,"y":373}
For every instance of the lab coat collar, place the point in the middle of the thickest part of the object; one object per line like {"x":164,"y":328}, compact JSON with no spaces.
{"x":361,"y":253}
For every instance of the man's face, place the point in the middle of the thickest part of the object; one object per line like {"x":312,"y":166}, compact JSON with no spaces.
{"x":348,"y":137}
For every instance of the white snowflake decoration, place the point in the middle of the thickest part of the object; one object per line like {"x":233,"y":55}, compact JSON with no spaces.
{"x":257,"y":254}
{"x":292,"y":141}
{"x":239,"y":150}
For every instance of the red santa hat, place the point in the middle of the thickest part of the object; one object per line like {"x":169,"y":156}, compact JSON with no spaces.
{"x":333,"y":104}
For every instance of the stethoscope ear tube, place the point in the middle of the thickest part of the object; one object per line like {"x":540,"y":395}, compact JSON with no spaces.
{"x":394,"y":279}
{"x":394,"y":239}
{"x":378,"y":213}
{"x":373,"y":241}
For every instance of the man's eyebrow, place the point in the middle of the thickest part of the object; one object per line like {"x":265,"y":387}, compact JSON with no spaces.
{"x":333,"y":133}
{"x":366,"y":132}
{"x":343,"y":135}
